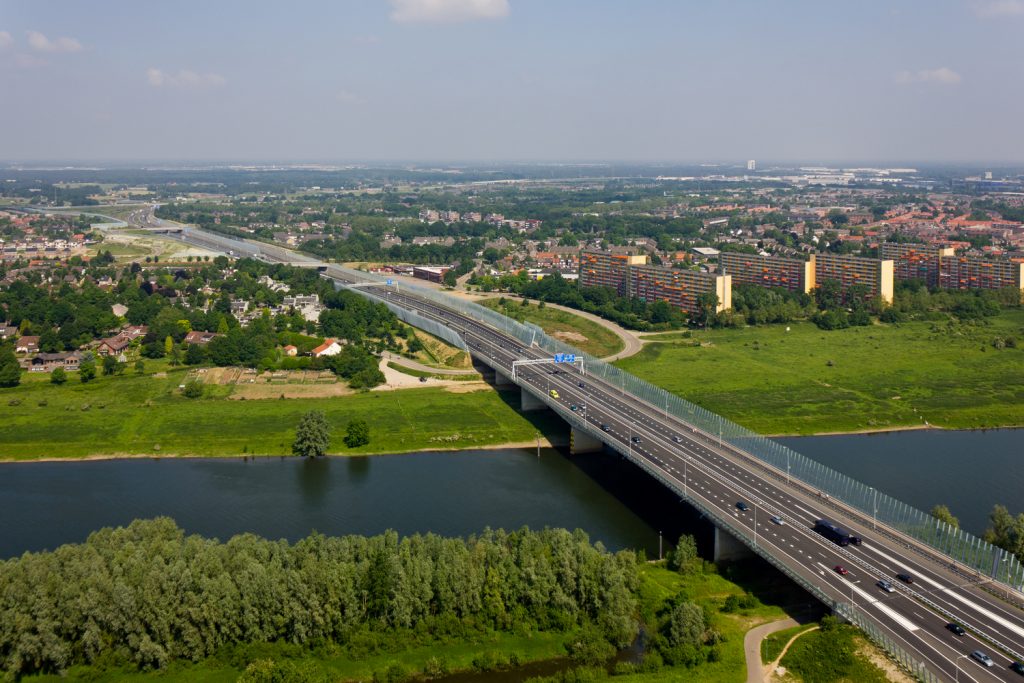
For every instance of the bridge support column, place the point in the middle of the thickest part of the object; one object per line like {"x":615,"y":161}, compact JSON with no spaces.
{"x":727,"y":547}
{"x":528,"y":402}
{"x":501,"y":380}
{"x":582,"y":442}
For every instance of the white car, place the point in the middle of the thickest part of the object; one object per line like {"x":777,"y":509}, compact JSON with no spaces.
{"x":983,"y":658}
{"x":778,"y":520}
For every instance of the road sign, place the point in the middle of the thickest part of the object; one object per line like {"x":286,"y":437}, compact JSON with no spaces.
{"x":389,"y":282}
{"x":565,"y":357}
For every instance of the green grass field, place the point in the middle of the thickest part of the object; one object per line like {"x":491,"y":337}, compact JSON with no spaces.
{"x":132,"y":415}
{"x":598,"y":341}
{"x":806,"y":380}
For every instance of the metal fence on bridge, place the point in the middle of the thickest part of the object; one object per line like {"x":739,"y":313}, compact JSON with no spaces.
{"x":962,"y":547}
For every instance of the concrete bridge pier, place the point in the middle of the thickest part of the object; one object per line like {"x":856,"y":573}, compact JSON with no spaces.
{"x":528,"y":402}
{"x":581,"y":442}
{"x":728,"y":548}
{"x":501,"y":380}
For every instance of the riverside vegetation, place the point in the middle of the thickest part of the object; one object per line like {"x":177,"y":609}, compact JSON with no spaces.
{"x":150,"y":601}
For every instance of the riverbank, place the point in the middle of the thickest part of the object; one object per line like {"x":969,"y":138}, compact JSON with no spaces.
{"x":799,"y":380}
{"x":146,"y":416}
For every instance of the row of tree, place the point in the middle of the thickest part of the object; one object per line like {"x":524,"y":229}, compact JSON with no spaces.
{"x":149,"y":594}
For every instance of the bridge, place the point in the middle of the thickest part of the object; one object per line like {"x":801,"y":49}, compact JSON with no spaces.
{"x":713,"y":464}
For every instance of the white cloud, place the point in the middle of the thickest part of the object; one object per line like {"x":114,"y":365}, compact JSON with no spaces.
{"x":348,"y":97}
{"x":943,"y":76}
{"x":998,"y":8}
{"x":183,"y":79}
{"x":37,"y":41}
{"x":5,"y":39}
{"x":440,"y":11}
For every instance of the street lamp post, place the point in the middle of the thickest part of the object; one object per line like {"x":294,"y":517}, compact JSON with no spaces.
{"x":787,"y":466}
{"x":852,"y":584}
{"x":874,"y":508}
{"x":956,"y":667}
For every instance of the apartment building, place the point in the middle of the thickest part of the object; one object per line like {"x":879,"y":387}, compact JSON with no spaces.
{"x":793,"y":274}
{"x":605,"y":269}
{"x":916,"y":261}
{"x":680,"y":288}
{"x":848,"y":271}
{"x":969,"y":272}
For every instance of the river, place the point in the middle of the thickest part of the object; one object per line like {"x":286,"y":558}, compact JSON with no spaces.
{"x":43,"y":505}
{"x":968,"y":471}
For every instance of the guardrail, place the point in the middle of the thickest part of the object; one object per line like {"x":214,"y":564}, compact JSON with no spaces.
{"x":957,"y":544}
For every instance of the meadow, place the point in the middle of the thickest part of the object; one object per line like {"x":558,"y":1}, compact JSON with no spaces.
{"x":147,"y":415}
{"x":798,"y":379}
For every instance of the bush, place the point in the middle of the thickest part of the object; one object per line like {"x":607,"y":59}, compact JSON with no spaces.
{"x":193,"y":389}
{"x":58,"y":376}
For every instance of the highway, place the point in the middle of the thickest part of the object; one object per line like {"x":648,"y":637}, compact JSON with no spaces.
{"x":715,"y":476}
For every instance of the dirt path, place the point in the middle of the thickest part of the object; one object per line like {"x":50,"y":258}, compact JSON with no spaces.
{"x":774,"y":666}
{"x":415,"y":365}
{"x":752,"y":647}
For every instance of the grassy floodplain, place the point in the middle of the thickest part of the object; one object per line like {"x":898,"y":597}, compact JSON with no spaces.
{"x":147,"y":415}
{"x":586,"y":335}
{"x":807,"y":381}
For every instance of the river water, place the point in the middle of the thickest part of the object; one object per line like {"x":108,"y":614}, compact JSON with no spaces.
{"x":968,"y":471}
{"x":43,"y":505}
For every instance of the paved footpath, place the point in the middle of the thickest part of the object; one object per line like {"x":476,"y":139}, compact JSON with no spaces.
{"x":752,"y":647}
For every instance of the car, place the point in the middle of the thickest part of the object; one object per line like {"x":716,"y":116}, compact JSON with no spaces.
{"x":581,"y":385}
{"x":982,"y":658}
{"x":605,"y":428}
{"x":573,"y":407}
{"x":886,"y":586}
{"x":840,"y":569}
{"x":423,"y":379}
{"x":905,"y":578}
{"x":635,"y":439}
{"x":676,"y":439}
{"x":554,"y":393}
{"x":855,"y":540}
{"x":956,"y":628}
{"x":742,"y":507}
{"x":778,"y":520}
{"x":1018,"y":667}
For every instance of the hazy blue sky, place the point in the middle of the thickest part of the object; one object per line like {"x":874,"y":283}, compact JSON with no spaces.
{"x":678,"y":80}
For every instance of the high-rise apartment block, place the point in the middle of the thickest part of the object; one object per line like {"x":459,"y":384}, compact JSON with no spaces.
{"x":752,"y":165}
{"x":632,"y":276}
{"x":793,"y":274}
{"x":875,"y":274}
{"x":915,"y":261}
{"x":967,"y":272}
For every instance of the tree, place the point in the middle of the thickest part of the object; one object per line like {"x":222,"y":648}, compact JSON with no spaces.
{"x":707,"y":303}
{"x":58,"y":376}
{"x":449,"y":278}
{"x":110,"y":365}
{"x":686,"y":625}
{"x":685,"y":554}
{"x":312,"y":437}
{"x":942,"y":513}
{"x":357,"y":434}
{"x":10,"y":371}
{"x":168,"y":345}
{"x":87,"y":370}
{"x":140,"y":366}
{"x":194,"y":354}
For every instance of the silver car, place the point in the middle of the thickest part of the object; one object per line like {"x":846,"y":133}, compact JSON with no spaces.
{"x":983,"y":658}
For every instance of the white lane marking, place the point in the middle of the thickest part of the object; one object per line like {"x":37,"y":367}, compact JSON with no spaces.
{"x":956,"y":596}
{"x":885,"y":609}
{"x":806,"y":511}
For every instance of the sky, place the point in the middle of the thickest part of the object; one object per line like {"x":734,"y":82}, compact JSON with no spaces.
{"x":512,"y":80}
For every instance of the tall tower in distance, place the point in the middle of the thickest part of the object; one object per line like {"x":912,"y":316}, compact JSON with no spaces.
{"x":752,"y":165}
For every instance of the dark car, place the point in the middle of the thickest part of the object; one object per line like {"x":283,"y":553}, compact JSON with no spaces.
{"x":676,"y":439}
{"x":1018,"y":667}
{"x":582,"y":385}
{"x":905,"y":578}
{"x":605,"y":428}
{"x":635,"y":439}
{"x":956,"y":628}
{"x":742,"y":507}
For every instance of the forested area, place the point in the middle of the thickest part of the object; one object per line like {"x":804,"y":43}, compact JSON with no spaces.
{"x":148,"y":594}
